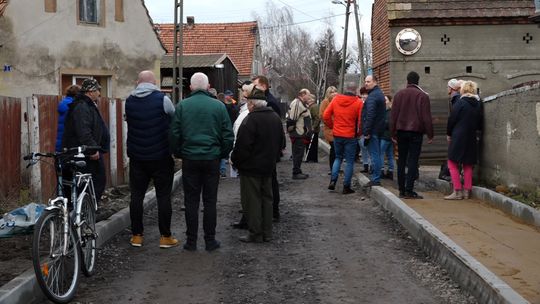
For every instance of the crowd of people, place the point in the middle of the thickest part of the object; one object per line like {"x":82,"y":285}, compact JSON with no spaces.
{"x":209,"y":130}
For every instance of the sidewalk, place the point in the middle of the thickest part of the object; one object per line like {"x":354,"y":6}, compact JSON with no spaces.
{"x":489,"y":253}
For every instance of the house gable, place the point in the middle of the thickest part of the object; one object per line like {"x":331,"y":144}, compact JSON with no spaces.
{"x":60,"y":47}
{"x":237,"y":40}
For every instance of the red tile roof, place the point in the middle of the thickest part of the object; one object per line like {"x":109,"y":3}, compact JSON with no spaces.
{"x":237,"y":40}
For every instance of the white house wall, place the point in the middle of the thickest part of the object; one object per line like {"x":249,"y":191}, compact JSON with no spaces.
{"x":39,"y":46}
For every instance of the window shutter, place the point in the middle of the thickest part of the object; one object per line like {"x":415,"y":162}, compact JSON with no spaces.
{"x":50,"y":6}
{"x":119,"y":10}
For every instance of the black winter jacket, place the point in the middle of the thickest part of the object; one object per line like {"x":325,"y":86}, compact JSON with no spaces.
{"x":85,"y":126}
{"x":258,"y":143}
{"x":464,"y":121}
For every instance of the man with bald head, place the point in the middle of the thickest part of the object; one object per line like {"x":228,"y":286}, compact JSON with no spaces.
{"x":148,"y":115}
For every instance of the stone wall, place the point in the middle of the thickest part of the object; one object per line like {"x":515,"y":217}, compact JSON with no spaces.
{"x":511,"y":140}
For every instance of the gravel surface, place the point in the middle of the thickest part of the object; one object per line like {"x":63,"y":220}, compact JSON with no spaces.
{"x":328,"y":248}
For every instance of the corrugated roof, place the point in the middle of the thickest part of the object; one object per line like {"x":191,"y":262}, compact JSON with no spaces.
{"x":195,"y":61}
{"x":237,"y":40}
{"x":421,"y":9}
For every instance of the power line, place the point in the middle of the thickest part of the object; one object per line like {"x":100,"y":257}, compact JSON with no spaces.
{"x":296,"y":23}
{"x":294,"y":8}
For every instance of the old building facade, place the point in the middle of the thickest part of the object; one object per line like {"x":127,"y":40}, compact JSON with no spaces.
{"x":47,"y":45}
{"x":491,"y":42}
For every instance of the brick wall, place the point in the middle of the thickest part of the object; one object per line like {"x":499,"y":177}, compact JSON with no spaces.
{"x":380,"y":39}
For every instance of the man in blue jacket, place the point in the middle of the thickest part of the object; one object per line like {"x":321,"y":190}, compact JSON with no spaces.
{"x":148,"y":116}
{"x":373,"y":126}
{"x":201,"y":134}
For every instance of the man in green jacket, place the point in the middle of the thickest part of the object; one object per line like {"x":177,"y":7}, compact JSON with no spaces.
{"x":201,"y":134}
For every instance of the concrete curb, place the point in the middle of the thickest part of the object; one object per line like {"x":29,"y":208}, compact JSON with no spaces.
{"x":517,"y":209}
{"x":474,"y":277}
{"x":24,"y":288}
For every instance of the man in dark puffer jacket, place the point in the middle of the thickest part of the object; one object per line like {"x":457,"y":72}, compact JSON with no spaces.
{"x":148,"y":115}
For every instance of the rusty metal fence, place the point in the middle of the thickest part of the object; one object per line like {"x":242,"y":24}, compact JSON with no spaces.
{"x":30,"y":124}
{"x":10,"y":145}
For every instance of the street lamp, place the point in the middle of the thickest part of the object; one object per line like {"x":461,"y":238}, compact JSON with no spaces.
{"x":348,"y":6}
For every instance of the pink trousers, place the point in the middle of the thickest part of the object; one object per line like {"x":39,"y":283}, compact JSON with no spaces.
{"x":456,"y":180}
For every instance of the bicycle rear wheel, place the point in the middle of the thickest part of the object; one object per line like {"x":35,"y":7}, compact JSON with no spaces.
{"x":57,"y":273}
{"x":88,"y":235}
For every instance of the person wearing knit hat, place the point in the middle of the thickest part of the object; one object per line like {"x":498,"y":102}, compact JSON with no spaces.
{"x":84,"y":125}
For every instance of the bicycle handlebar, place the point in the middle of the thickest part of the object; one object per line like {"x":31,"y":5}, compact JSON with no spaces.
{"x":34,"y":155}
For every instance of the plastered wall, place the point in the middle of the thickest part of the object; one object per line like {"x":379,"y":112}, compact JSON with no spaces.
{"x":511,"y":141}
{"x":40,"y":46}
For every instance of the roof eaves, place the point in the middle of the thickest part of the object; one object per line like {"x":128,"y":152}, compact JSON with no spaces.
{"x":151,"y":24}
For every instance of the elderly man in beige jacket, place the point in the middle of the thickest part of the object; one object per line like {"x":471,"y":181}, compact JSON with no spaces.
{"x":300,"y":131}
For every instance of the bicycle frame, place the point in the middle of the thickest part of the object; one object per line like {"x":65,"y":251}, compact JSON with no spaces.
{"x":80,"y":184}
{"x":83,"y":183}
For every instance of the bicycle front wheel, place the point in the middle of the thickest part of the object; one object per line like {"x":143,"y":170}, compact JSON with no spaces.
{"x":57,"y":272}
{"x":88,"y":235}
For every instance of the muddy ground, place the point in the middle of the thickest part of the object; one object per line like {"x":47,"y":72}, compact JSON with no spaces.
{"x":15,"y":252}
{"x":328,"y":248}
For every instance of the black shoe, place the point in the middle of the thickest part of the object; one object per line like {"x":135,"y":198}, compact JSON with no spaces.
{"x":332,"y":185}
{"x":267,"y":238}
{"x":300,"y":176}
{"x":239,"y":225}
{"x":390,"y":175}
{"x":412,"y":195}
{"x":212,"y":245}
{"x":347,"y":190}
{"x":275,"y":219}
{"x":190,"y":246}
{"x":365,"y":170}
{"x":372,"y":183}
{"x":401,"y":194}
{"x":250,"y":239}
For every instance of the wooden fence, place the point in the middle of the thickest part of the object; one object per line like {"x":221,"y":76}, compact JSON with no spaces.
{"x":30,"y":125}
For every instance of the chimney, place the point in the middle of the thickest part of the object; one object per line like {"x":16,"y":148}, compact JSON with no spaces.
{"x":190,"y":22}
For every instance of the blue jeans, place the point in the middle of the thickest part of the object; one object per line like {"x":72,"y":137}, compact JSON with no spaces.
{"x":387,"y":149}
{"x":374,"y":148}
{"x":223,"y":166}
{"x":344,"y":148}
{"x":364,"y":151}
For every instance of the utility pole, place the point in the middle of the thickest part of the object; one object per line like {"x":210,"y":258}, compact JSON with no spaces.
{"x":342,"y":82}
{"x":360,"y":38}
{"x":178,"y":51}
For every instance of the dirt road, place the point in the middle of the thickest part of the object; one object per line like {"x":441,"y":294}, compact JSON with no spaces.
{"x":328,"y":248}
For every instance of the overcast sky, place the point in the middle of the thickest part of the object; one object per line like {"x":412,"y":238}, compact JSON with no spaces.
{"x":306,"y":13}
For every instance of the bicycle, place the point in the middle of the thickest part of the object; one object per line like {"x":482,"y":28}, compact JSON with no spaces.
{"x":65,"y":234}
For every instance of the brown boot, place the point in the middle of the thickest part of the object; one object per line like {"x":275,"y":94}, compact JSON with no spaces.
{"x":456,"y":195}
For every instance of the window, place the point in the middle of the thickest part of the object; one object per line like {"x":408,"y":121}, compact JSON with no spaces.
{"x":50,"y":6}
{"x":119,"y":10}
{"x":89,"y":11}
